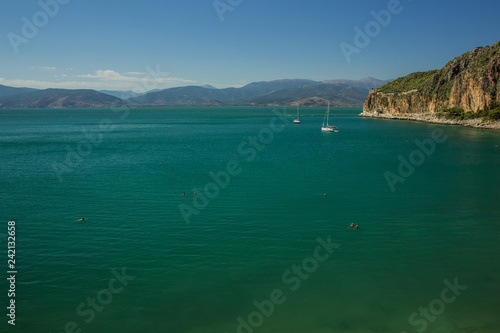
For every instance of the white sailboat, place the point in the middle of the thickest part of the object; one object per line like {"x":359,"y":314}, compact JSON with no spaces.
{"x":297,"y":121}
{"x":326,"y":127}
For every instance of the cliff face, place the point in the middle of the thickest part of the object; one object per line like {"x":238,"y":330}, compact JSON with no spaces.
{"x":470,"y":82}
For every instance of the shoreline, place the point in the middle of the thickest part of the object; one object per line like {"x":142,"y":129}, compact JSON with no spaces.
{"x":432,"y":119}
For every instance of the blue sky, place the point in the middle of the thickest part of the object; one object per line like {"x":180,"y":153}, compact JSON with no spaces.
{"x":117,"y":44}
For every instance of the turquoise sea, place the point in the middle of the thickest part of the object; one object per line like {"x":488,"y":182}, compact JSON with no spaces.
{"x":265,"y":250}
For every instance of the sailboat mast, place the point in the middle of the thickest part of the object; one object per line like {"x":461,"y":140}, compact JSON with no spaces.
{"x":328,"y":114}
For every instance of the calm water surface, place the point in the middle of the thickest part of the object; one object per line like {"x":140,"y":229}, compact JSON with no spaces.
{"x":125,"y":172}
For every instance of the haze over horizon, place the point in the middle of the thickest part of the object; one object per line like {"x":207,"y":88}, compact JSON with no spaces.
{"x":123,"y":45}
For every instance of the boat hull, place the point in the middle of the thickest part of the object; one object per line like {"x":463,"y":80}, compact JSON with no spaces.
{"x":332,"y":129}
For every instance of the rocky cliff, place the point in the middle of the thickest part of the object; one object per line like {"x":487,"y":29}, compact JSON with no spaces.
{"x":469,"y":82}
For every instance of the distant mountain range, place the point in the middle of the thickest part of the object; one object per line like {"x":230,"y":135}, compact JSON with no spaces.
{"x":6,"y":91}
{"x":317,"y":94}
{"x":366,"y":83}
{"x":59,"y":98}
{"x":278,"y":92}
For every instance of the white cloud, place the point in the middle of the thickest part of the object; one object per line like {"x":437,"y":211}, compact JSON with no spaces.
{"x":107,"y":75}
{"x":42,"y":84}
{"x":148,"y":81}
{"x":48,"y":68}
{"x":136,"y":73}
{"x":106,"y":80}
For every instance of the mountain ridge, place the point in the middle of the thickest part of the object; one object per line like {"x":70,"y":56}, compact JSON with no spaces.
{"x":6,"y":91}
{"x":366,"y":83}
{"x":60,"y":98}
{"x":257,"y":93}
{"x":318,"y":94}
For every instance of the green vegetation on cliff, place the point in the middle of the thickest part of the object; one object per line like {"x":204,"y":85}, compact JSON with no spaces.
{"x":431,"y":83}
{"x":489,"y":114}
{"x":410,"y":82}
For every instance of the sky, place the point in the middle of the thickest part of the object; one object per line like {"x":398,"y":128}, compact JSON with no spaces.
{"x":152,"y":44}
